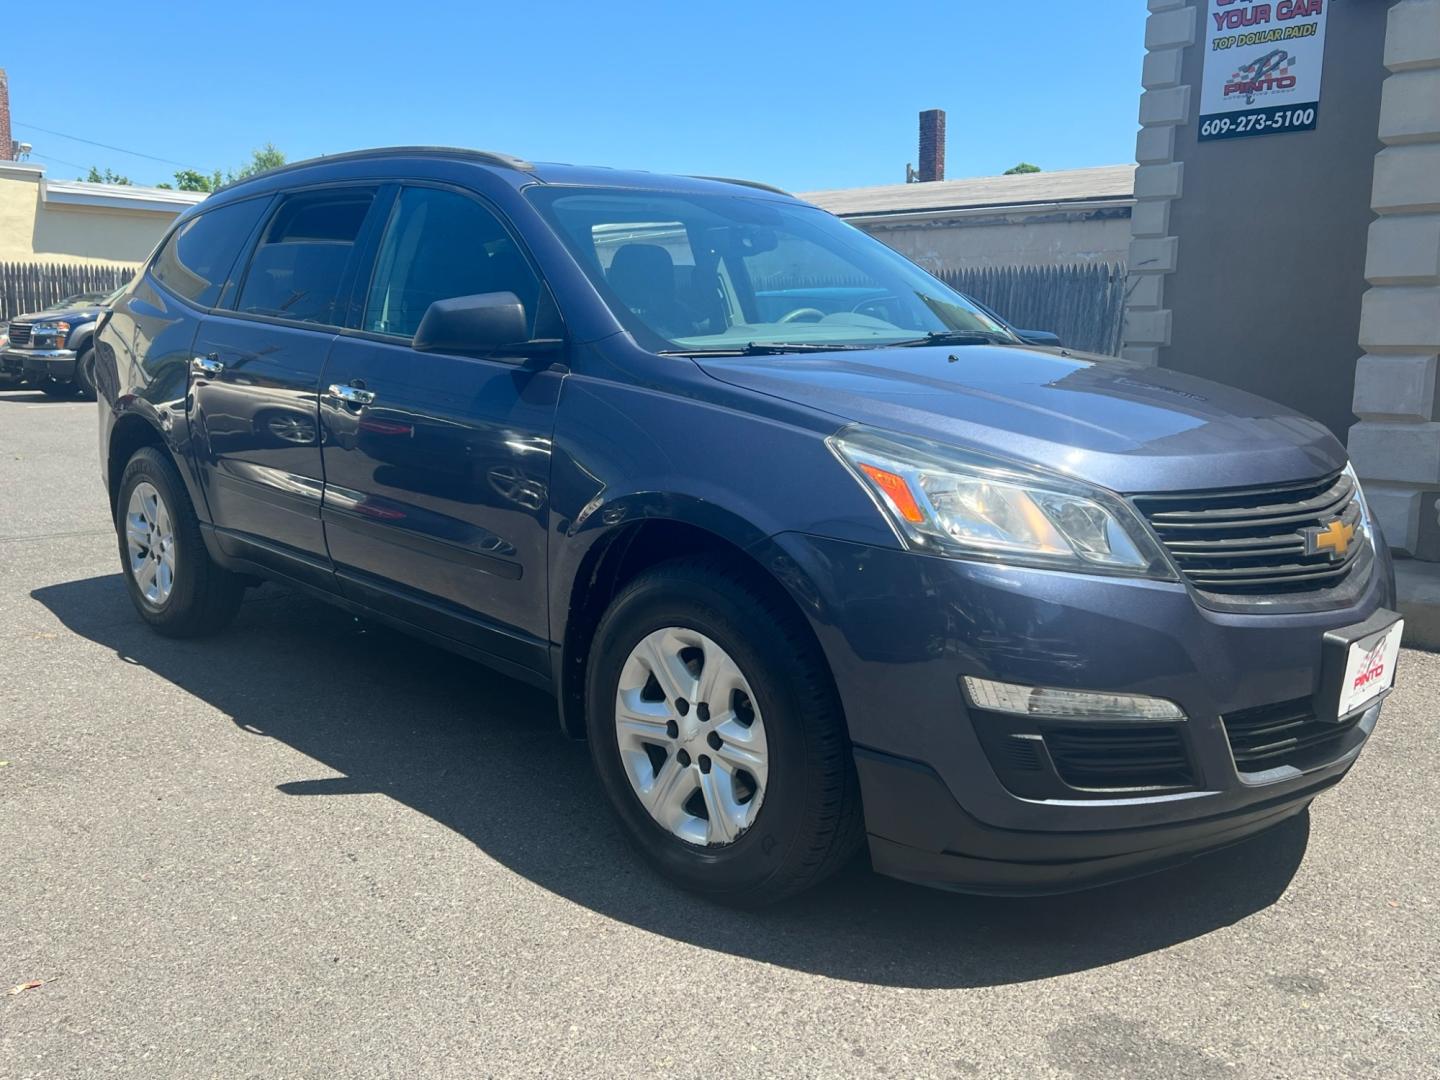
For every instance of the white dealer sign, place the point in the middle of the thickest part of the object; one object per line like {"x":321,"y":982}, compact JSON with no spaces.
{"x":1263,"y":63}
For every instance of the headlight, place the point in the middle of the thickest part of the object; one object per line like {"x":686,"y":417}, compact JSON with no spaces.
{"x":57,"y":330}
{"x":946,"y":502}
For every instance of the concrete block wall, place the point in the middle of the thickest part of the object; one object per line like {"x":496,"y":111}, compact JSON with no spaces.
{"x":1396,"y":445}
{"x":1165,"y":104}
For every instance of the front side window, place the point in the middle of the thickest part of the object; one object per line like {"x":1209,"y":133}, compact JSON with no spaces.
{"x":299,"y":268}
{"x":440,"y":245}
{"x":719,"y":272}
{"x":197,"y":260}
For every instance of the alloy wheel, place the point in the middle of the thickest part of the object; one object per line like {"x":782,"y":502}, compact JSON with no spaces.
{"x":150,"y":543}
{"x":691,"y":737}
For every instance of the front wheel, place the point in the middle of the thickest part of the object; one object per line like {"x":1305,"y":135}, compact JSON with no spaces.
{"x":718,"y":736}
{"x":172,"y":581}
{"x":84,"y":382}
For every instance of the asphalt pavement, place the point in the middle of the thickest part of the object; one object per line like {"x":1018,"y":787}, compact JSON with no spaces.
{"x":314,"y":848}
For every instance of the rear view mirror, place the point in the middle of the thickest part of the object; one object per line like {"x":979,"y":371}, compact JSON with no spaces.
{"x":742,"y":240}
{"x":476,"y":325}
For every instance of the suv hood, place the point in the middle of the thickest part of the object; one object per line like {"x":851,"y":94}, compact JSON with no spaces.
{"x":1121,"y":425}
{"x":76,"y":314}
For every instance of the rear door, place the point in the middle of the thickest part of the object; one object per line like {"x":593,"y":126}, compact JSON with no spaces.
{"x":255,"y":379}
{"x":437,"y":466}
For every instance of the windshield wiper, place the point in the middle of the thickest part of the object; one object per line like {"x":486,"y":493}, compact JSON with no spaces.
{"x":764,"y":348}
{"x":956,"y":337}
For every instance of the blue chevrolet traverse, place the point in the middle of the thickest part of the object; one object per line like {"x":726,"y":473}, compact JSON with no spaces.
{"x":814,"y":552}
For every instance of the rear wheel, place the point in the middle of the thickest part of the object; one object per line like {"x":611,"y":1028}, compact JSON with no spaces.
{"x":172,"y":581}
{"x":718,"y":736}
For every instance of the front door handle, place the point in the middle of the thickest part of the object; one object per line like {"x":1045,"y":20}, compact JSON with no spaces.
{"x":208,"y":366}
{"x":352,"y":395}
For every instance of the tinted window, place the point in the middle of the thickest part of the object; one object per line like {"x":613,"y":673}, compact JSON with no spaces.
{"x":299,"y":268}
{"x":439,"y":245}
{"x":199,"y":257}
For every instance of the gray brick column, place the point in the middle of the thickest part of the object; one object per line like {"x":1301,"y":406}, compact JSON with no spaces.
{"x":1164,"y":105}
{"x":1396,"y":445}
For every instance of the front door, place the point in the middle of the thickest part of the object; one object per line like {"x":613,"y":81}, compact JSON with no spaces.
{"x":437,"y":467}
{"x":255,"y":380}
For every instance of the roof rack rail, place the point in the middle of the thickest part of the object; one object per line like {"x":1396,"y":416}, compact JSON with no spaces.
{"x":486,"y":157}
{"x":746,"y":183}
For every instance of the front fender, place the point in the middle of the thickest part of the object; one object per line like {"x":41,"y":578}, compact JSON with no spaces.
{"x":81,"y":338}
{"x":579,"y":550}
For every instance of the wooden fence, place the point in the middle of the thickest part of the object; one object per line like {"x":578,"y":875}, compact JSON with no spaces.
{"x":1082,"y":302}
{"x":26,"y":287}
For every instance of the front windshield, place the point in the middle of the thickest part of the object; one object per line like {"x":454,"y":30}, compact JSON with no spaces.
{"x":722,"y":273}
{"x":77,"y":300}
{"x":87,"y":299}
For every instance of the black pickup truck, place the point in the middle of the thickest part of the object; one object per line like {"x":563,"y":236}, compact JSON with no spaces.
{"x":50,"y":349}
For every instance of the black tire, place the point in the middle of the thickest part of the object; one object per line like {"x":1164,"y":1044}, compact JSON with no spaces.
{"x":809,"y":824}
{"x":204,"y":597}
{"x":83,"y":385}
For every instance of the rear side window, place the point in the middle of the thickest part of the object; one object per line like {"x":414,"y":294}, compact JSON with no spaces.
{"x":440,"y":245}
{"x":199,"y":257}
{"x":299,"y":269}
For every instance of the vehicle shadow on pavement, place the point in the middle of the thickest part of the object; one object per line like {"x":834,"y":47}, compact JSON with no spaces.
{"x":27,"y":396}
{"x":483,"y":755}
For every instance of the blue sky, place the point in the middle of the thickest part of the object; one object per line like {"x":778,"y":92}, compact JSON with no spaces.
{"x":802,"y":95}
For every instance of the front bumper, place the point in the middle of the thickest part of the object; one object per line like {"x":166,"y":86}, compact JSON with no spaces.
{"x":941,"y":804}
{"x":37,"y":365}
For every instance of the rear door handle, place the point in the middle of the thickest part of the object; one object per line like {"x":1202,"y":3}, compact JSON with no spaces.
{"x":208,"y":366}
{"x":352,"y":395}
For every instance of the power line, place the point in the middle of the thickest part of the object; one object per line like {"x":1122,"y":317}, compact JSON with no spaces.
{"x":103,"y":146}
{"x":60,"y":161}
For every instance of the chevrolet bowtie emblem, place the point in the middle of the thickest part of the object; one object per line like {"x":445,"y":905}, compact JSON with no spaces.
{"x":1333,"y":540}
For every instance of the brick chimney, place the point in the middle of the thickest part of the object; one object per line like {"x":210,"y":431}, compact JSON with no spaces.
{"x":7,"y":143}
{"x":932,"y":145}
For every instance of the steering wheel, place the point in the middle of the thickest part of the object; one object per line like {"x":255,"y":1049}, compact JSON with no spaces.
{"x":867,"y":307}
{"x":814,"y":314}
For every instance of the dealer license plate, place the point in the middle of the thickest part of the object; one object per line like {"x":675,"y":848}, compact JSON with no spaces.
{"x":1370,"y":668}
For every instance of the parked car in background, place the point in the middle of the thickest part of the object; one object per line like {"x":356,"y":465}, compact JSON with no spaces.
{"x":805,"y":562}
{"x":51,"y":349}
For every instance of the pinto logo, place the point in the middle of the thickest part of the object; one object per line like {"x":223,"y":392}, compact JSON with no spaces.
{"x":1263,"y":75}
{"x":1372,"y":668}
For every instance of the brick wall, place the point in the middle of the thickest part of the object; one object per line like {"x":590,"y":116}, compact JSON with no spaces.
{"x":7,"y":144}
{"x":1396,"y":445}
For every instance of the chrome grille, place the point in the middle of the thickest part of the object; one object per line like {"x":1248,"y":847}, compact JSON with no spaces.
{"x":19,"y":333}
{"x":1253,"y":541}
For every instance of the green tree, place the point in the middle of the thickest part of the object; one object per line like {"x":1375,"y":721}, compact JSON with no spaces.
{"x":261,"y":159}
{"x":95,"y":176}
{"x":194,"y":180}
{"x":1022,"y":168}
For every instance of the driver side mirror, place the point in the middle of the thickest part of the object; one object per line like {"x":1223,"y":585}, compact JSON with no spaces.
{"x":480,"y":325}
{"x":1040,"y":337}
